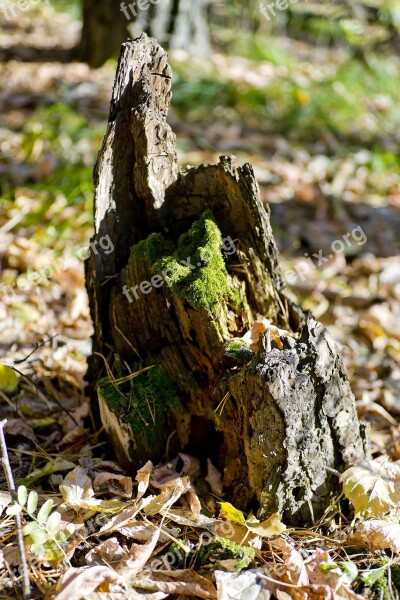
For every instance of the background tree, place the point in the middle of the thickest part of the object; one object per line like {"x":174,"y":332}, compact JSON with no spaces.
{"x":175,"y":23}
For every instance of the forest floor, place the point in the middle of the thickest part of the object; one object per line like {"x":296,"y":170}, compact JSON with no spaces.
{"x":321,"y":129}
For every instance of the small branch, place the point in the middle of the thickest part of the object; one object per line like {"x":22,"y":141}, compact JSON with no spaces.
{"x":26,"y":585}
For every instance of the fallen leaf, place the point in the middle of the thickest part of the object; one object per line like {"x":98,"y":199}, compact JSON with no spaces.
{"x":214,"y":479}
{"x":106,"y":552}
{"x":243,"y":586}
{"x":143,"y":479}
{"x":19,"y":428}
{"x":113,"y":483}
{"x":78,"y":583}
{"x":136,"y":557}
{"x":372,"y":487}
{"x":191,"y":465}
{"x":185,"y":581}
{"x":377,"y":534}
{"x":8,"y":379}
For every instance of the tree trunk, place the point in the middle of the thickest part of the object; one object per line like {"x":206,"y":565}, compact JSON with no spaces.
{"x":194,"y":264}
{"x":107,"y":24}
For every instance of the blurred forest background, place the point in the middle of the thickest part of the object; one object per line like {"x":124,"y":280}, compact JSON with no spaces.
{"x":309,"y":95}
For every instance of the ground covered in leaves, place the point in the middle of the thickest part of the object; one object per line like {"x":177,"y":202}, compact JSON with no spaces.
{"x":321,"y":127}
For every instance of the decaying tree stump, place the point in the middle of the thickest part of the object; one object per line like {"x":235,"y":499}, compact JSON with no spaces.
{"x":194,"y":264}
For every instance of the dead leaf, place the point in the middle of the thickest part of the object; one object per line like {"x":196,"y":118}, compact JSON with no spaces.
{"x":78,"y":583}
{"x":75,"y":437}
{"x":246,"y":585}
{"x":214,"y":479}
{"x":372,"y":487}
{"x":136,"y":557}
{"x":114,"y":484}
{"x":106,"y":552}
{"x":185,"y":581}
{"x":19,"y":428}
{"x":143,"y":478}
{"x":376,"y":534}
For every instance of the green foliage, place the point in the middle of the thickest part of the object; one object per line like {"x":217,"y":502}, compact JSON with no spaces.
{"x":42,"y":532}
{"x":220,"y":549}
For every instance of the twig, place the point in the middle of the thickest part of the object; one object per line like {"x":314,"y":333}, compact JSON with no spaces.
{"x":26,"y":585}
{"x":37,"y":346}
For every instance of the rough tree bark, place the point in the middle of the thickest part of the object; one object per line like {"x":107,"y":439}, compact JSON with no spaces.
{"x":194,"y":265}
{"x":107,"y":24}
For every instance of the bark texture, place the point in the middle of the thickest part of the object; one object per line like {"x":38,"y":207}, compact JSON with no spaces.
{"x":194,"y":264}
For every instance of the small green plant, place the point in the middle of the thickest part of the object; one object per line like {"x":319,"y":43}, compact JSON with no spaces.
{"x":42,"y":532}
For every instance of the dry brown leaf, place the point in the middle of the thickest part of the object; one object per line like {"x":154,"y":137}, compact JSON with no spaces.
{"x":185,"y":581}
{"x":163,"y":476}
{"x":106,"y":552}
{"x":136,"y":557}
{"x":19,"y":428}
{"x":114,"y":484}
{"x":376,"y":534}
{"x":292,"y":572}
{"x":143,"y":479}
{"x":169,"y":495}
{"x":214,"y":479}
{"x":78,"y":583}
{"x":194,"y":502}
{"x":75,"y":437}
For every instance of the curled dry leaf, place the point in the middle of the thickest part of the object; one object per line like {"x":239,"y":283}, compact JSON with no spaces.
{"x":143,"y":479}
{"x":185,"y":581}
{"x":194,"y":502}
{"x":114,"y":484}
{"x":214,"y":479}
{"x":78,"y":583}
{"x":376,"y":534}
{"x":77,"y":492}
{"x":372,"y":487}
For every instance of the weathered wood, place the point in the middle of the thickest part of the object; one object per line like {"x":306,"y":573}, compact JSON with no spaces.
{"x":194,"y":265}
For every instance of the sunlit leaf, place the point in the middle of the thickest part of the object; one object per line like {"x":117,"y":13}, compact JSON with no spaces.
{"x":231,"y":513}
{"x":8,"y":379}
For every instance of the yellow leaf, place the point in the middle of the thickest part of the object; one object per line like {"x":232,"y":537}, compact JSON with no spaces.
{"x":269,"y":528}
{"x":8,"y":379}
{"x":231,"y":513}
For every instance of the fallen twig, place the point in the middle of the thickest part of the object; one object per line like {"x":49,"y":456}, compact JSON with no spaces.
{"x":26,"y":585}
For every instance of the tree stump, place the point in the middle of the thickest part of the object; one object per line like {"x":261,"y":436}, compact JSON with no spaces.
{"x":194,"y":265}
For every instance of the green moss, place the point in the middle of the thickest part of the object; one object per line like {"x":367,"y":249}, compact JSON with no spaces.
{"x":239,"y":351}
{"x":146,"y":403}
{"x":380,"y":589}
{"x":153,"y":248}
{"x":395,"y":573}
{"x":220,"y":549}
{"x":197,"y":272}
